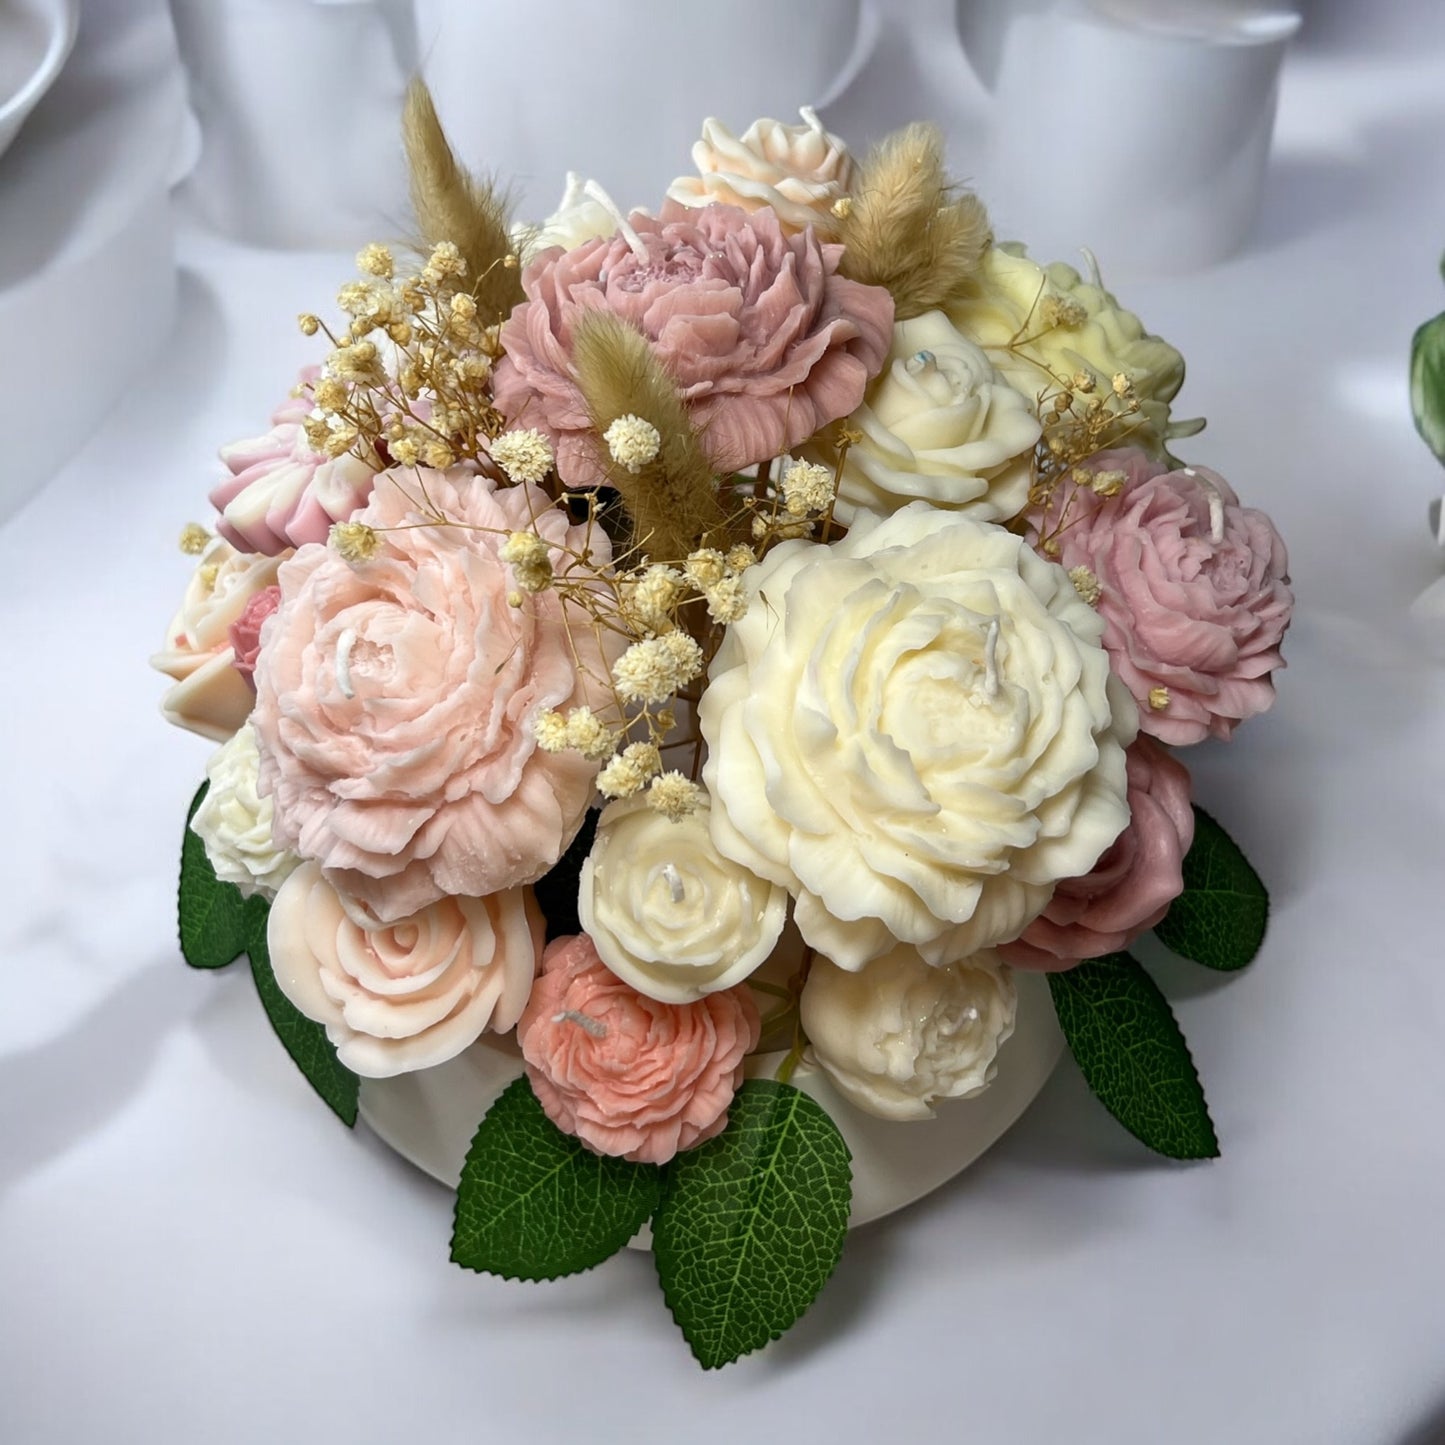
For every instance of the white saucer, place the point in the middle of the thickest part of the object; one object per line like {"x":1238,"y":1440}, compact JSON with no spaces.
{"x":429,"y":1117}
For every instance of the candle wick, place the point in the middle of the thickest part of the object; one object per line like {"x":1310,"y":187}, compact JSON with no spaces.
{"x":1216,"y":505}
{"x":674,"y":882}
{"x":595,"y":192}
{"x":595,"y":1027}
{"x":344,"y":644}
{"x":990,"y":661}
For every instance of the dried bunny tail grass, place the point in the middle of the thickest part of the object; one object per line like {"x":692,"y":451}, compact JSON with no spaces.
{"x":453,"y":205}
{"x":672,"y":499}
{"x":908,"y":228}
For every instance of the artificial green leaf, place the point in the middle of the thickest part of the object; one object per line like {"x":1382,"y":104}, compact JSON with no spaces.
{"x":303,"y":1038}
{"x":211,"y":913}
{"x":1120,"y":1029}
{"x":535,"y":1203}
{"x":1427,"y":384}
{"x":1220,"y":918}
{"x":752,"y":1223}
{"x":556,"y":891}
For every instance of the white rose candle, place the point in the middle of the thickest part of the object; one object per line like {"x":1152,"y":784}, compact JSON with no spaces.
{"x":939,"y":423}
{"x":667,"y":912}
{"x":900,"y":1035}
{"x":915,"y":733}
{"x":234,"y":820}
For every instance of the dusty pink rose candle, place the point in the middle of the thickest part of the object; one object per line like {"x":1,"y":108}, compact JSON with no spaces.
{"x":1193,"y":589}
{"x":765,"y":340}
{"x":246,"y":629}
{"x":1131,"y":887}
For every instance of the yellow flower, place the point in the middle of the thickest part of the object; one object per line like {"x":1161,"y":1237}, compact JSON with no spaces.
{"x":1045,"y":327}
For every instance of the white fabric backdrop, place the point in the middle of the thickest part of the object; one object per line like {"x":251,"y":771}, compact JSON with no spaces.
{"x":192,"y":1250}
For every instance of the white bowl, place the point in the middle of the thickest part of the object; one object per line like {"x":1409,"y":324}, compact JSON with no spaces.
{"x":35,"y":38}
{"x":429,"y":1117}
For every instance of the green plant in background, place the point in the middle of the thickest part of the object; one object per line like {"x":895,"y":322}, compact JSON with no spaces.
{"x":1427,"y":393}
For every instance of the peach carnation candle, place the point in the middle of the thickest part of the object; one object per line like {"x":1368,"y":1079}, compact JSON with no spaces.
{"x":703,"y":699}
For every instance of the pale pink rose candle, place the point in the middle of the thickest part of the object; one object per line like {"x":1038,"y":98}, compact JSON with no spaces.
{"x":396,"y":699}
{"x":405,"y":995}
{"x":281,"y":492}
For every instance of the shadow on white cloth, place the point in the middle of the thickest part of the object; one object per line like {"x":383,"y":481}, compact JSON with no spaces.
{"x":56,"y":1094}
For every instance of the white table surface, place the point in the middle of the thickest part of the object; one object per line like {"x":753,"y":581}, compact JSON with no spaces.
{"x":192,"y":1250}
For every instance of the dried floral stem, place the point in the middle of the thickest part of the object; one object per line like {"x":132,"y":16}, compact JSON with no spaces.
{"x":453,"y":205}
{"x":671,"y":500}
{"x":909,"y":228}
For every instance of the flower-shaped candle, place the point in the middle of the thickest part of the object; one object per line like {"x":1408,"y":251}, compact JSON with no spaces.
{"x":667,"y":912}
{"x":1193,"y":588}
{"x":916,"y":736}
{"x":397,"y":696}
{"x":939,"y":424}
{"x":765,"y":340}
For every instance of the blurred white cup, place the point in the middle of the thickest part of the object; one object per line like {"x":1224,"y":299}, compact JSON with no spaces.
{"x":618,"y":89}
{"x":1138,"y":128}
{"x":299,"y":104}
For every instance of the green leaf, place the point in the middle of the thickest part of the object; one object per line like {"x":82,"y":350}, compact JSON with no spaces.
{"x":1121,"y":1031}
{"x":752,"y":1223}
{"x":211,"y":914}
{"x":1427,"y":384}
{"x":535,"y":1203}
{"x":303,"y":1038}
{"x":1220,"y":918}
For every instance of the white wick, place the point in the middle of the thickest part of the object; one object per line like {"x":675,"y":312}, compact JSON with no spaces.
{"x":674,"y":882}
{"x":344,"y":644}
{"x":990,"y":661}
{"x":1092,"y":262}
{"x":1216,"y":505}
{"x":595,"y":192}
{"x":919,"y":362}
{"x":595,"y":1027}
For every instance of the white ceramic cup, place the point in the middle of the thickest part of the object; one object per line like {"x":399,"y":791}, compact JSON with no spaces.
{"x":618,"y":89}
{"x":300,"y":107}
{"x":35,"y":38}
{"x":1138,"y":128}
{"x":84,"y":200}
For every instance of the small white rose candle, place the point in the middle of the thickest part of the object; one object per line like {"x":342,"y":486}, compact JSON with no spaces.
{"x":667,"y":912}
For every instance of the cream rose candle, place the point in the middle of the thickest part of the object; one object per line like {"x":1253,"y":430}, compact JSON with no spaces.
{"x":667,"y":912}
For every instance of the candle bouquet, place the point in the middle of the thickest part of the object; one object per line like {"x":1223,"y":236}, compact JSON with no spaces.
{"x":718,"y":655}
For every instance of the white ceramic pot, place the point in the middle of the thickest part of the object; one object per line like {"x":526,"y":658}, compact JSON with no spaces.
{"x":429,"y":1117}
